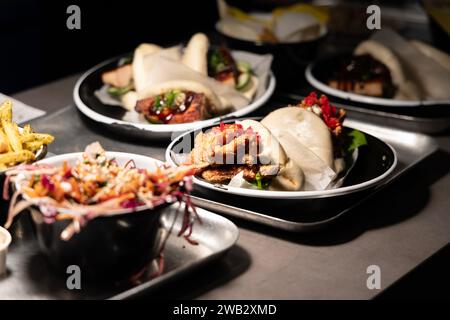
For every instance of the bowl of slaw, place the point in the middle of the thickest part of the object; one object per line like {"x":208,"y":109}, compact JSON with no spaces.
{"x":99,"y":210}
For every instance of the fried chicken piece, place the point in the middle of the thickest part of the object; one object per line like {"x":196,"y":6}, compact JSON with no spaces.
{"x":229,"y":145}
{"x":223,"y":174}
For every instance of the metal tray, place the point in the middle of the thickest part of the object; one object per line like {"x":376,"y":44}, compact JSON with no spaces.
{"x":30,"y":277}
{"x":411,"y":148}
{"x":291,"y":216}
{"x":425,"y":119}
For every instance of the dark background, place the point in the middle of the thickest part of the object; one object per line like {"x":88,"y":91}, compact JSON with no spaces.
{"x":37,"y":47}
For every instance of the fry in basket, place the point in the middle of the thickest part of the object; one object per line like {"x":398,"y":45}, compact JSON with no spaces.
{"x":16,"y":157}
{"x":18,"y":145}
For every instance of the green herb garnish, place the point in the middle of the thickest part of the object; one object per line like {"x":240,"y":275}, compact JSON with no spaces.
{"x":157,"y":105}
{"x":260,"y":183}
{"x":217,"y":61}
{"x":358,"y":139}
{"x":170,"y":98}
{"x":118,"y":92}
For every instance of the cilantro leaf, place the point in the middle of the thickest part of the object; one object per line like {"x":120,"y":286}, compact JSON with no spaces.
{"x":260,"y":183}
{"x":170,"y":98}
{"x":157,"y":104}
{"x":358,"y":139}
{"x":117,"y":92}
{"x":258,"y":180}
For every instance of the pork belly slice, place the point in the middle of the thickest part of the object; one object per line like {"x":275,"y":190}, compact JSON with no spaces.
{"x":372,"y":88}
{"x":197,"y":110}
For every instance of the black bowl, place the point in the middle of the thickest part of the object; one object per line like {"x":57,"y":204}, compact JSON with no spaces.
{"x":289,"y":58}
{"x":107,"y":248}
{"x":112,"y":247}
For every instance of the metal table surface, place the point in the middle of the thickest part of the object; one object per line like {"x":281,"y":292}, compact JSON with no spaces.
{"x":397,"y":230}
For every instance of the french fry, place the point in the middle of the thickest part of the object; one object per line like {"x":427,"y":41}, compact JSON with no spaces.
{"x":6,"y":111}
{"x":33,"y":145}
{"x":16,"y":157}
{"x":4,"y":143}
{"x":37,"y":137}
{"x":27,"y":129}
{"x":12,"y":132}
{"x":27,"y":137}
{"x":44,"y":137}
{"x":18,"y":146}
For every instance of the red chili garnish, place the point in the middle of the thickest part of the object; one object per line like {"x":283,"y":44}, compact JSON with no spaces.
{"x":130,"y":204}
{"x":67,"y":174}
{"x":311,"y":99}
{"x":332,"y":116}
{"x":47,"y":183}
{"x":229,"y":126}
{"x":6,"y":188}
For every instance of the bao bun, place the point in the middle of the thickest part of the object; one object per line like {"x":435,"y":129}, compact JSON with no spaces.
{"x":195,"y":54}
{"x":290,"y":176}
{"x":307,"y":141}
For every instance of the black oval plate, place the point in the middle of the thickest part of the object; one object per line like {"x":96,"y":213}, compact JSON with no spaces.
{"x":112,"y":116}
{"x":317,"y":74}
{"x":374,"y":163}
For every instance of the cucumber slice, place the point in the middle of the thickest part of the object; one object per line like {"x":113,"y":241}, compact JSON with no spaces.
{"x":118,"y":92}
{"x":244,"y":66}
{"x":243,"y":80}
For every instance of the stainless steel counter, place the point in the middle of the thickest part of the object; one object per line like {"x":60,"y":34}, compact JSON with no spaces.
{"x":397,"y":230}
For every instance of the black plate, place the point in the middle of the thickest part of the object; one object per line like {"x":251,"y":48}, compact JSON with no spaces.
{"x":318,"y":73}
{"x":374,"y":160}
{"x":93,"y":82}
{"x":111,"y":116}
{"x":289,"y":58}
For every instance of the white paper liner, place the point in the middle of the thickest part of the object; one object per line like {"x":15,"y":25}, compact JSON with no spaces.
{"x":318,"y":175}
{"x":238,"y":181}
